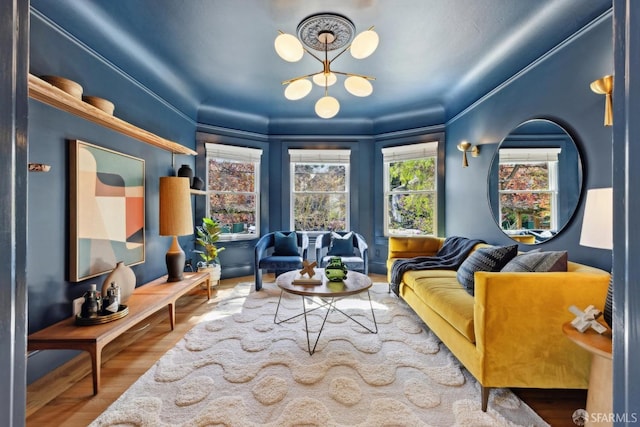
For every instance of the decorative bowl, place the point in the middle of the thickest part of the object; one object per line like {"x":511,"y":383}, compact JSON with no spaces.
{"x":100,"y":103}
{"x":69,"y":86}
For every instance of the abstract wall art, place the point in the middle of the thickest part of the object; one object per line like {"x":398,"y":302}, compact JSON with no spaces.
{"x":106,"y":210}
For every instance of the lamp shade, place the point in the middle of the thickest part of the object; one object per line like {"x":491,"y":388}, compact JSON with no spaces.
{"x":176,"y":218}
{"x":597,"y":224}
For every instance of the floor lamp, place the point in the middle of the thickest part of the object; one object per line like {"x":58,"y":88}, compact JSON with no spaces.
{"x":597,"y":231}
{"x":176,"y":219}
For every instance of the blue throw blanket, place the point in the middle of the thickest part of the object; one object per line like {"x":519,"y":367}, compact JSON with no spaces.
{"x":453,"y":252}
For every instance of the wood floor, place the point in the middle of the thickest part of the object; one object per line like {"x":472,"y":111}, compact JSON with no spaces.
{"x":65,"y":397}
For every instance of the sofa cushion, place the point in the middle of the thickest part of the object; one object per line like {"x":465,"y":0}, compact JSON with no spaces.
{"x":538,"y":262}
{"x":341,"y":245}
{"x":445,"y":296}
{"x":286,"y":244}
{"x":493,"y":258}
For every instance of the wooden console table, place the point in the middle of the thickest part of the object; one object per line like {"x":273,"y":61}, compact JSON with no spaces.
{"x":145,"y":301}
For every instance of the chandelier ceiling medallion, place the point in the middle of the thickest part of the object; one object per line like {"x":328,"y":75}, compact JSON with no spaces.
{"x":326,"y":32}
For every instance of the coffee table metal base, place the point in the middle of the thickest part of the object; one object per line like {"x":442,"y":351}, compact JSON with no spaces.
{"x":330,"y":303}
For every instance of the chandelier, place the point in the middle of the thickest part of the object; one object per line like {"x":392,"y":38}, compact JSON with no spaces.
{"x":323,"y":33}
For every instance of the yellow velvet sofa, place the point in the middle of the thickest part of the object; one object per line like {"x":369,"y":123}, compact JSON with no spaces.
{"x":510,"y":333}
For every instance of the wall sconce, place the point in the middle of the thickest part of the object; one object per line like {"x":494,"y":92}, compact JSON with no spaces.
{"x":465,"y":146}
{"x":604,"y":86}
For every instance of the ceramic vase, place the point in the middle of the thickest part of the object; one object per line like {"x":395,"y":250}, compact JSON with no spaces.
{"x":198,"y":183}
{"x":186,"y":171}
{"x":335,"y":271}
{"x":124,"y":277}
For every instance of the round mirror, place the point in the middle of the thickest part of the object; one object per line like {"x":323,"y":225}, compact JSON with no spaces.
{"x":535,"y":181}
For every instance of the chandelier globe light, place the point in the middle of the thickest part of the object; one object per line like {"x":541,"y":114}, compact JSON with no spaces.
{"x":298,"y":89}
{"x":364,"y":44}
{"x":323,"y":33}
{"x":327,"y":107}
{"x":289,"y":48}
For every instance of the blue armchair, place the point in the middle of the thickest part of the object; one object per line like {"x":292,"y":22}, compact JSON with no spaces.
{"x":353,"y":251}
{"x":279,"y":251}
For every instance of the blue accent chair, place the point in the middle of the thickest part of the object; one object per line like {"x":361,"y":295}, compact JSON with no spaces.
{"x":264,"y":258}
{"x":358,"y":261}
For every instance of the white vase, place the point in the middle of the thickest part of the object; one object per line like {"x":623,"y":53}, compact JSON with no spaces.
{"x":214,"y":273}
{"x":124,"y":277}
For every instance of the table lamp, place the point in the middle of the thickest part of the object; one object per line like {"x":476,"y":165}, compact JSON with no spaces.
{"x":597,"y":231}
{"x":176,"y":219}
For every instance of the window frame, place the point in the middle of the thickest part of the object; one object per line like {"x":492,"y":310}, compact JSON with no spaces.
{"x":417,"y":151}
{"x":511,"y":156}
{"x":332,"y":157}
{"x":237,"y":154}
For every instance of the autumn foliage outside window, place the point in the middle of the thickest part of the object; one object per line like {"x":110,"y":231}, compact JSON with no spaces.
{"x":320,"y":190}
{"x":528,"y":193}
{"x":233,"y":188}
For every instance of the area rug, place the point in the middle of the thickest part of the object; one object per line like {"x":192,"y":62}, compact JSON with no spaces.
{"x":238,"y":368}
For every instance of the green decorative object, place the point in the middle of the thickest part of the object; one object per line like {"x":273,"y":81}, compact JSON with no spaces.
{"x":207,"y":236}
{"x":336,"y":271}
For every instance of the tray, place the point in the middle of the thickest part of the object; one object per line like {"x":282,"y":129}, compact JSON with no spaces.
{"x":123,"y":310}
{"x":307,"y":281}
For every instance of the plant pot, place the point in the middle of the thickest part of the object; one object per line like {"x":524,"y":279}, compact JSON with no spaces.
{"x":214,"y":273}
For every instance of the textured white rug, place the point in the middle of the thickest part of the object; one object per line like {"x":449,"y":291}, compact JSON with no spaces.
{"x":240,"y":369}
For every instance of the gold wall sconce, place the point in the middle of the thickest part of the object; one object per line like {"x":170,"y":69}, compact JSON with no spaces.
{"x":604,"y":86}
{"x":465,"y":146}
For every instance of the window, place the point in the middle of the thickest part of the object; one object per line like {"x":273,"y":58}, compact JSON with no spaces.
{"x":320,"y":190}
{"x":528,"y":188}
{"x":233,"y":182}
{"x":410,"y":189}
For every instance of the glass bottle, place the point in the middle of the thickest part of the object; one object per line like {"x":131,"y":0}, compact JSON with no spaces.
{"x":92,"y":303}
{"x":111,"y":302}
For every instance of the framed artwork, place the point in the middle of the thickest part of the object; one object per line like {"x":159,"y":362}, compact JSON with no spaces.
{"x":107,"y":210}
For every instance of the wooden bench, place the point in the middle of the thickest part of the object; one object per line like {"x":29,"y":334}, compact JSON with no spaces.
{"x":145,"y":301}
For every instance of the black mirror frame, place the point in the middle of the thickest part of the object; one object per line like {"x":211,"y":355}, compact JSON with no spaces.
{"x":573,"y":199}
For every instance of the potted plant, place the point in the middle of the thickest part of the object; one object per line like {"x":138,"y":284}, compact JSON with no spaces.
{"x":207,"y":235}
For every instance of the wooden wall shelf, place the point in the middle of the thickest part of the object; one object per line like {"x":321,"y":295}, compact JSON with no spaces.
{"x":49,"y":94}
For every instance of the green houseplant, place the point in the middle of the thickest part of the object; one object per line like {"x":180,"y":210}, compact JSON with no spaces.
{"x":208,"y":235}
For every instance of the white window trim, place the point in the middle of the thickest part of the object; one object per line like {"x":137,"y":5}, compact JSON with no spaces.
{"x":232,"y":152}
{"x":403,"y":153}
{"x":529,"y":155}
{"x":534,"y":155}
{"x":238,"y":154}
{"x":410,"y":152}
{"x":314,"y":156}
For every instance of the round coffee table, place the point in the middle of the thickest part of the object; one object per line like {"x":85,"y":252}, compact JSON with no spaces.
{"x":329,"y":293}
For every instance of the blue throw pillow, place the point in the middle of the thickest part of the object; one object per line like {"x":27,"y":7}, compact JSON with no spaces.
{"x":341,"y":245}
{"x":484,"y":259}
{"x":286,"y":244}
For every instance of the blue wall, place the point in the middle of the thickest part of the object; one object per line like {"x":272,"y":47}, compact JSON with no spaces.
{"x":49,"y":293}
{"x":556,"y":87}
